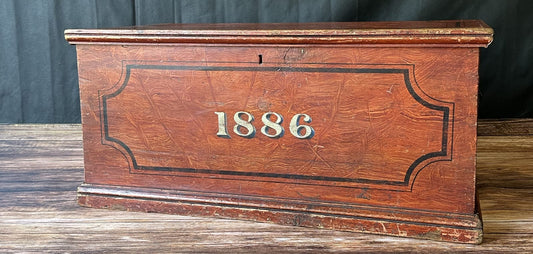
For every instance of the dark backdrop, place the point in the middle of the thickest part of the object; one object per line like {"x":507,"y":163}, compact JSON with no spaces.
{"x":38,"y":76}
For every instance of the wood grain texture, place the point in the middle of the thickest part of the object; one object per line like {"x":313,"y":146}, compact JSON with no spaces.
{"x":390,"y":148}
{"x":135,"y":118}
{"x":466,"y":33}
{"x":505,"y":127}
{"x":39,"y":213}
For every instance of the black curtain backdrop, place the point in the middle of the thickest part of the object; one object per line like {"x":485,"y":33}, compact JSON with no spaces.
{"x":38,"y":75}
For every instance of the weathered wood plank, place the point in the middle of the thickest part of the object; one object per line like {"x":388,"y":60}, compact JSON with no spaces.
{"x":505,"y":127}
{"x":38,"y":210}
{"x":40,"y":132}
{"x":505,"y":162}
{"x":113,"y":230}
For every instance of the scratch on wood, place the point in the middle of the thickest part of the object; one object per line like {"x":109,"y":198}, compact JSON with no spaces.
{"x":139,"y":129}
{"x":159,"y":115}
{"x":318,"y":155}
{"x":208,"y":76}
{"x":390,"y":89}
{"x":252,"y":82}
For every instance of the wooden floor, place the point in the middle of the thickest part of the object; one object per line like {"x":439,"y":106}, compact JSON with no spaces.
{"x":41,"y":166}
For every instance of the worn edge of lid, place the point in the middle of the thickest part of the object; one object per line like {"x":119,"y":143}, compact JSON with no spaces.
{"x":477,"y":35}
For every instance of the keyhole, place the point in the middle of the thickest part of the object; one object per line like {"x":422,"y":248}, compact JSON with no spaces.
{"x":260,"y":59}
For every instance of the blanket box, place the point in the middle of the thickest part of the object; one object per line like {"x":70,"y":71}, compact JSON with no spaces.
{"x":358,"y":126}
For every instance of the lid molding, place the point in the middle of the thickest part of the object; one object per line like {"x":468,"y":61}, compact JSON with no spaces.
{"x":474,"y":33}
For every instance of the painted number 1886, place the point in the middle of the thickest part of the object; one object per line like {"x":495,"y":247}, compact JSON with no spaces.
{"x":271,"y":125}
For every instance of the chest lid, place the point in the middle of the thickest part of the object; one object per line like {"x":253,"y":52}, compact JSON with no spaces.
{"x":455,"y":33}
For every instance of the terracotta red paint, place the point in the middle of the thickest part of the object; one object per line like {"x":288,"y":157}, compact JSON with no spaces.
{"x":393,"y":109}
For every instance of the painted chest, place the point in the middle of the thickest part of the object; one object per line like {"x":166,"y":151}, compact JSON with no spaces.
{"x":366,"y":127}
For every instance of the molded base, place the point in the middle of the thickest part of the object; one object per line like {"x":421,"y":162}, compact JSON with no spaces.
{"x":346,"y":217}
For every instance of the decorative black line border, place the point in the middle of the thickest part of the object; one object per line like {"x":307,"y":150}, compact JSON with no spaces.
{"x":447,"y":113}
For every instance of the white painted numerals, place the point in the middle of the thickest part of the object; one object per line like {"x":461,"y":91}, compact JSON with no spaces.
{"x":271,"y":125}
{"x":299,"y":130}
{"x":274,"y":126}
{"x":241,"y":124}
{"x":222,"y":130}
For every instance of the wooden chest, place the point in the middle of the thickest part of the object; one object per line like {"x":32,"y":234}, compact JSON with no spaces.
{"x":366,"y":127}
